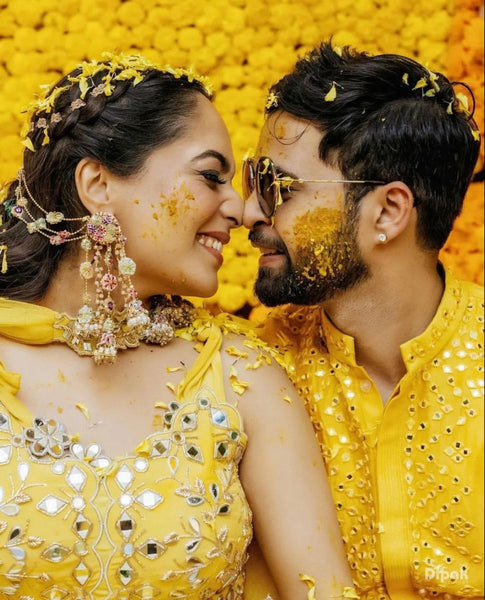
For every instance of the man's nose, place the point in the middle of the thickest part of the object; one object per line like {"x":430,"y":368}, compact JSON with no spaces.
{"x":253,"y":215}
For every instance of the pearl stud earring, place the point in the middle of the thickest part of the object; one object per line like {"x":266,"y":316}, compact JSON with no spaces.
{"x":382,"y":237}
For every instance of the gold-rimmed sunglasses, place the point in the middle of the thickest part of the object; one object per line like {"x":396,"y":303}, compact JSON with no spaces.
{"x":262,"y":176}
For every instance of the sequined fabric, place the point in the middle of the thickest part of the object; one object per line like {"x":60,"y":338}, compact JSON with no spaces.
{"x":169,"y":521}
{"x":407,"y":477}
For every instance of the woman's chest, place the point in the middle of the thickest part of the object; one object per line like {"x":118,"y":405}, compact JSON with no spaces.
{"x":163,"y":520}
{"x":115,"y":405}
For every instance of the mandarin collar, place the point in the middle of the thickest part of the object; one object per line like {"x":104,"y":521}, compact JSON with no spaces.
{"x":417,"y":351}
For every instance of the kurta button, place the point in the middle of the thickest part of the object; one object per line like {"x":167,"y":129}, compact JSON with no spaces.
{"x":365,"y":385}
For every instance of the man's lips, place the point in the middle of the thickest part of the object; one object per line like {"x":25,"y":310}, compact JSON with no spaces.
{"x":267,"y":247}
{"x":267,"y":251}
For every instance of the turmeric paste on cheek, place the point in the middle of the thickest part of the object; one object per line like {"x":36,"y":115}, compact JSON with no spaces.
{"x":317,"y":235}
{"x":175,"y":205}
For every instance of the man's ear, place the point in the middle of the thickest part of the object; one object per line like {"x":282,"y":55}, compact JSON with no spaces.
{"x":393,"y":210}
{"x":91,"y":184}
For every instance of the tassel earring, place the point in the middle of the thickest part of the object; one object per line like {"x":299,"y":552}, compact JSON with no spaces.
{"x":103,"y":325}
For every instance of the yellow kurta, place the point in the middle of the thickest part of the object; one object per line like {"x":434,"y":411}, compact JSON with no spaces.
{"x":169,"y":520}
{"x":407,"y":477}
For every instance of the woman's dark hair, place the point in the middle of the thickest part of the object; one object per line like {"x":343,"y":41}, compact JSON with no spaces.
{"x":118,"y":130}
{"x":391,"y":119}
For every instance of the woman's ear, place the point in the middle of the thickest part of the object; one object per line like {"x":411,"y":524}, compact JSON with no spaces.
{"x":393,"y":210}
{"x":91,"y":184}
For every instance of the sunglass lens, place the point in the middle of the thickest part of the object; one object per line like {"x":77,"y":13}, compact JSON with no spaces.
{"x":266,"y":186}
{"x":248,"y":178}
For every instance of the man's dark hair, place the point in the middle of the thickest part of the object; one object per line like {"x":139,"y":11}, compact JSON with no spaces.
{"x":391,"y":119}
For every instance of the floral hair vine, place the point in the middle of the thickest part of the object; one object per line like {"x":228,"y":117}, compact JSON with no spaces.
{"x":116,"y":67}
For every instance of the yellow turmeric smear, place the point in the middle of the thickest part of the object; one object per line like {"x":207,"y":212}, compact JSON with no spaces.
{"x":317,"y":230}
{"x":176,"y":204}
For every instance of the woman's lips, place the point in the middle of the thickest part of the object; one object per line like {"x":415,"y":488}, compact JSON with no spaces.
{"x":213,"y":245}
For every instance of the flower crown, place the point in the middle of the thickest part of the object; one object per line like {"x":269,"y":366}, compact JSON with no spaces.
{"x":117,"y":67}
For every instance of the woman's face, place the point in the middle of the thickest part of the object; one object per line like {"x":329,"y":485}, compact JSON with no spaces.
{"x":177,"y":212}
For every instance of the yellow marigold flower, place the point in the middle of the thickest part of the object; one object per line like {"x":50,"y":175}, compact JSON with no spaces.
{"x":346,"y":38}
{"x":219,"y":43}
{"x":76,"y":24}
{"x":164,"y":38}
{"x":131,"y":14}
{"x":190,"y":38}
{"x":234,"y":20}
{"x":7,"y":24}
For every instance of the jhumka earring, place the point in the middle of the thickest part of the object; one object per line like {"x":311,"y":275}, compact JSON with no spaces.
{"x":100,"y":330}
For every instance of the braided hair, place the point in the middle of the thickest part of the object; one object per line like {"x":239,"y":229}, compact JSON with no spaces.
{"x":119,"y":126}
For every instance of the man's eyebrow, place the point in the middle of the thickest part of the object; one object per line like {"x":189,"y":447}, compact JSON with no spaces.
{"x":285,"y":173}
{"x":214,"y":154}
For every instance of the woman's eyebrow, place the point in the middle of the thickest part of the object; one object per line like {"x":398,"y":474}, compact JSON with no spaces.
{"x":214,"y":154}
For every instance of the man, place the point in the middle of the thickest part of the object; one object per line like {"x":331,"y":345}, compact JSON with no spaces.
{"x":361,"y":170}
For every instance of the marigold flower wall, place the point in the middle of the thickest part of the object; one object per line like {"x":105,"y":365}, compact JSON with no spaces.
{"x":243,"y":46}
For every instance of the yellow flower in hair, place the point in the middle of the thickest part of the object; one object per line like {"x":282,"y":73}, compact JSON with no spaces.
{"x":272,"y":101}
{"x":28,"y":144}
{"x":433,"y":77}
{"x":331,"y":94}
{"x":463,"y":103}
{"x":3,"y":249}
{"x":422,"y":83}
{"x":130,"y":73}
{"x":83,"y":86}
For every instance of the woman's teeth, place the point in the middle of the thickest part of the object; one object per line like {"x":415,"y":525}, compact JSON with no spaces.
{"x":211,"y":243}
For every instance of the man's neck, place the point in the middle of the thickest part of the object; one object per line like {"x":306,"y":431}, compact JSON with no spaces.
{"x":382,"y":313}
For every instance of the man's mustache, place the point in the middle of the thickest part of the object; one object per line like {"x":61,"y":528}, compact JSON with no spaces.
{"x":261,"y":239}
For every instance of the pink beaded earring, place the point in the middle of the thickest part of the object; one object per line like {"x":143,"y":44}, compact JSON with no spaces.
{"x":102,"y":323}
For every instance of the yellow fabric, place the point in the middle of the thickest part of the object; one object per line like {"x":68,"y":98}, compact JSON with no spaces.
{"x":168,"y":521}
{"x":407,"y":477}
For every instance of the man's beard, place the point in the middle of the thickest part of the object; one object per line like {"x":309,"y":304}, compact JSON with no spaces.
{"x":320,"y":271}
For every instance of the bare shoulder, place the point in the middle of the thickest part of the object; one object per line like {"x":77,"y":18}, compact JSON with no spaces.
{"x":254,"y":379}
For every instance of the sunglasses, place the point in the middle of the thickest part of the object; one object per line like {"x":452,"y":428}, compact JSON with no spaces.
{"x":263,"y":177}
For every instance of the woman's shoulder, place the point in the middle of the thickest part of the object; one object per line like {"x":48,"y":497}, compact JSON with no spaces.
{"x":252,"y":369}
{"x":239,"y":338}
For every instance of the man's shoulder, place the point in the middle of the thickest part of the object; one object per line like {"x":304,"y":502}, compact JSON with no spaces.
{"x":472,"y":290}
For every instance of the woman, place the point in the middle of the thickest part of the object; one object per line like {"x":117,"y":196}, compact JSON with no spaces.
{"x":125,"y":194}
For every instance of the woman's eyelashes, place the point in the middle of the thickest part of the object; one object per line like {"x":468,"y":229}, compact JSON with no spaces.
{"x":213,"y":177}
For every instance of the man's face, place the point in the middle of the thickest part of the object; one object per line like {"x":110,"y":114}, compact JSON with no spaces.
{"x":310,"y":252}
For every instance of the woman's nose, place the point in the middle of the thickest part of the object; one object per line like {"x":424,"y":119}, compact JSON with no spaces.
{"x":233,"y":208}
